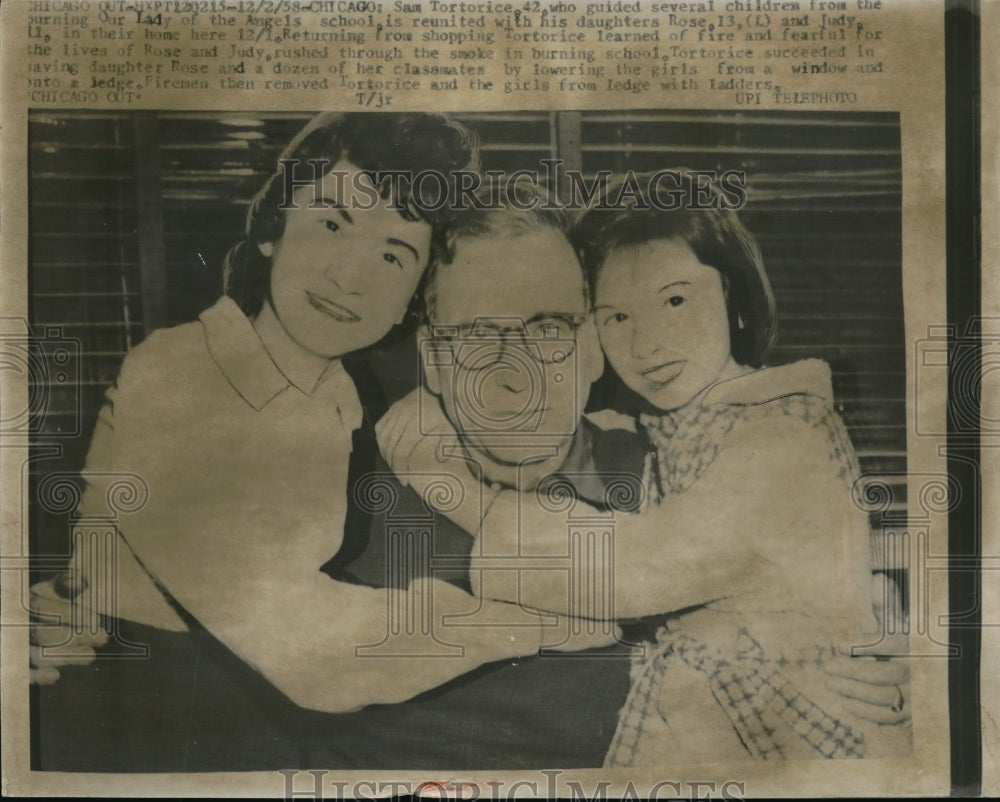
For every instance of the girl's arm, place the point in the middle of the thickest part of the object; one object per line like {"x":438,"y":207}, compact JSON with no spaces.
{"x":773,"y":512}
{"x":258,"y":587}
{"x":770,"y":511}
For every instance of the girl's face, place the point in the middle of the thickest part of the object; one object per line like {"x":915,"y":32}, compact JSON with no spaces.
{"x":661,"y":315}
{"x":345,"y":269}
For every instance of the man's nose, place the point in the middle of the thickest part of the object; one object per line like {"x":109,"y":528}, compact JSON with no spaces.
{"x":511,"y":376}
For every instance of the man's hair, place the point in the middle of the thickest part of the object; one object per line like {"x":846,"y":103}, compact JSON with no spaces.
{"x":716,"y":236}
{"x":373,"y":142}
{"x":501,"y":212}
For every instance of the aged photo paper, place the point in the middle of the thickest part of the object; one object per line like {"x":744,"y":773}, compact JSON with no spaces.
{"x":498,"y":398}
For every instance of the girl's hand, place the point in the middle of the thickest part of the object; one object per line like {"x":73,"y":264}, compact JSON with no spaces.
{"x":412,"y":433}
{"x":422,"y":448}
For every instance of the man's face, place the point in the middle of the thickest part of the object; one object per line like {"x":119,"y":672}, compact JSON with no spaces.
{"x":342,"y":276}
{"x":515,"y":367}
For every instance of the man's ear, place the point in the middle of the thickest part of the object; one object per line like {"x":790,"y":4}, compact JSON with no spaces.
{"x":266,"y":249}
{"x":430,"y":353}
{"x":591,"y":356}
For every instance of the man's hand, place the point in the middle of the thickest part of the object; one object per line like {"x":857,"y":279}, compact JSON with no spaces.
{"x":64,"y":632}
{"x":873,"y":689}
{"x":410,"y":433}
{"x":876,"y":688}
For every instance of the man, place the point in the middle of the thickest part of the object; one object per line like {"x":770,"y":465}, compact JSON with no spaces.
{"x":510,"y":352}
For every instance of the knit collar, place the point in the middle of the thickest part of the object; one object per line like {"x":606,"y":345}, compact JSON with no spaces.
{"x":244,"y":360}
{"x":805,"y":377}
{"x":809,"y":377}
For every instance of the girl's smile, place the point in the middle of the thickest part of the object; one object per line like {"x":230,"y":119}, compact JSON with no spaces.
{"x":663,"y":374}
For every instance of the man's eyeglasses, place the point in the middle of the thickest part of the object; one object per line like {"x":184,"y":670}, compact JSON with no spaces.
{"x":549,"y":339}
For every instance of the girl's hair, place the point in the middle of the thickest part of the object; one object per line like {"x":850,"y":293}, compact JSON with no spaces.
{"x":372,"y":142}
{"x":714,"y":233}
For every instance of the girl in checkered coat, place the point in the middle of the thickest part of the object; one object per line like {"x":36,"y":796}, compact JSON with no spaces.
{"x":685,"y":316}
